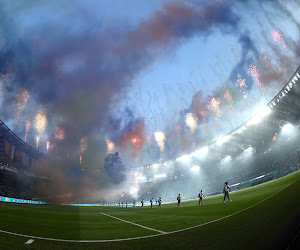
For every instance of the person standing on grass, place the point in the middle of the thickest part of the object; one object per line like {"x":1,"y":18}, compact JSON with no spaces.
{"x":226,"y":190}
{"x":151,"y":202}
{"x":126,"y":203}
{"x":178,"y":200}
{"x":200,"y":196}
{"x":159,"y":202}
{"x":142,"y":203}
{"x":134,"y":203}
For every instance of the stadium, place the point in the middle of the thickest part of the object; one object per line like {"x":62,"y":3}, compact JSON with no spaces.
{"x":72,"y":182}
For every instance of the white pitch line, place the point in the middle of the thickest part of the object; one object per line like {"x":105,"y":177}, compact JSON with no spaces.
{"x":149,"y":228}
{"x":28,"y":242}
{"x":143,"y":237}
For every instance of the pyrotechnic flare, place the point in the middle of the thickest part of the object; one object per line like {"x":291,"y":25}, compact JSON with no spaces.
{"x":80,"y":158}
{"x":83,"y":144}
{"x":37,"y":141}
{"x":40,"y":124}
{"x":160,"y":140}
{"x":242,"y":84}
{"x":255,"y":75}
{"x":214,"y":105}
{"x":191,"y":121}
{"x":277,"y":37}
{"x":27,"y":127}
{"x":110,"y":146}
{"x":47,"y":145}
{"x":59,"y":134}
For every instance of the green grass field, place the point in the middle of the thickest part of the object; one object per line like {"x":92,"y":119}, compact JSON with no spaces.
{"x":256,"y":217}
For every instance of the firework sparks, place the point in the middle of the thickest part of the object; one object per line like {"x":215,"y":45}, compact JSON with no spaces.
{"x":110,"y":146}
{"x":40,"y":124}
{"x":83,"y":144}
{"x":149,"y":138}
{"x":255,"y":75}
{"x":228,"y":95}
{"x":177,"y":128}
{"x":27,"y":127}
{"x":37,"y":141}
{"x":203,"y":114}
{"x":22,"y":96}
{"x":191,"y":121}
{"x":277,"y":37}
{"x":59,"y":134}
{"x":214,"y":105}
{"x":160,"y":140}
{"x":47,"y":145}
{"x":241,"y":83}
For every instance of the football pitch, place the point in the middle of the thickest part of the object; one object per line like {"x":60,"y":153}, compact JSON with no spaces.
{"x":266,"y":215}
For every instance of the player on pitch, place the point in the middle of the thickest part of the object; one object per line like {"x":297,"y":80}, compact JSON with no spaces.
{"x":226,"y":190}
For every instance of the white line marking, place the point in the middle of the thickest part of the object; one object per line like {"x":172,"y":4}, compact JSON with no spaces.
{"x":143,"y":237}
{"x":28,"y":242}
{"x":152,"y":229}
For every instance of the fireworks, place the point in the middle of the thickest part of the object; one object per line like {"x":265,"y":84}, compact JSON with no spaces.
{"x":149,"y":138}
{"x":178,"y":133}
{"x":277,"y":37}
{"x":228,"y":95}
{"x":37,"y":141}
{"x":242,"y":84}
{"x":214,"y":105}
{"x":203,"y":114}
{"x":255,"y":75}
{"x":22,"y":96}
{"x":110,"y":146}
{"x":80,"y":159}
{"x":47,"y":145}
{"x":40,"y":124}
{"x":27,"y":127}
{"x":59,"y":134}
{"x":40,"y":121}
{"x":83,"y":144}
{"x":160,"y":140}
{"x":191,"y":121}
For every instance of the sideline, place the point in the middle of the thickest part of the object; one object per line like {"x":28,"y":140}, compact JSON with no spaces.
{"x":149,"y":228}
{"x":148,"y":236}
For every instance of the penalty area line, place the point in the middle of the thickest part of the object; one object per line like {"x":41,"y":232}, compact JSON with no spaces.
{"x":149,"y":228}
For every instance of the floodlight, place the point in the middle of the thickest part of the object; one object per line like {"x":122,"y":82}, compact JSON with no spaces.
{"x":195,"y":168}
{"x":227,"y":158}
{"x":155,"y":165}
{"x":287,"y":128}
{"x":248,"y":151}
{"x":158,"y":176}
{"x":223,"y":139}
{"x":254,"y":120}
{"x":184,"y":158}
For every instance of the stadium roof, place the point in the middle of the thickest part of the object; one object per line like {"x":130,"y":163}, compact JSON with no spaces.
{"x":283,"y":109}
{"x":7,"y":134}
